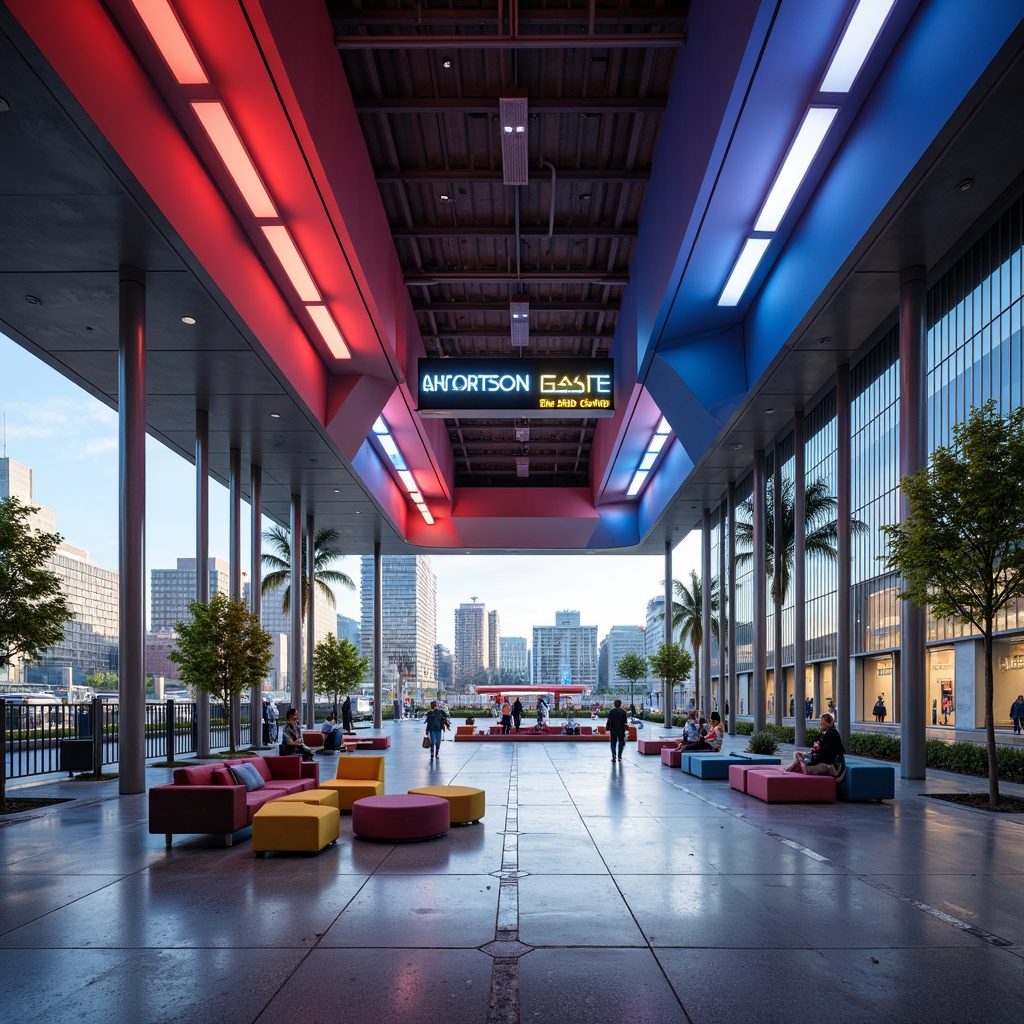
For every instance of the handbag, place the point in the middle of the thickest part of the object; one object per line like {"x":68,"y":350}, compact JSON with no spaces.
{"x":426,"y":743}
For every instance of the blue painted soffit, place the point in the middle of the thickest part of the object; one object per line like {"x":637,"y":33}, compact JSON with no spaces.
{"x":743,"y":82}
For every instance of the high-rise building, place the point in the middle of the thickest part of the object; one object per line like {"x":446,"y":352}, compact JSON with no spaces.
{"x":442,"y":666}
{"x":91,"y":592}
{"x":515,"y":660}
{"x":348,"y":629}
{"x":409,"y":612}
{"x":620,"y":641}
{"x":275,"y":621}
{"x":566,"y":652}
{"x":654,"y":634}
{"x":171,"y":590}
{"x":472,"y":650}
{"x":494,"y":640}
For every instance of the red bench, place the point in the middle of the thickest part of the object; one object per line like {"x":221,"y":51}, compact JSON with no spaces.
{"x":775,"y":787}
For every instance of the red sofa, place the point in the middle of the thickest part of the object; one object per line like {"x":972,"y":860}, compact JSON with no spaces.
{"x":205,"y":798}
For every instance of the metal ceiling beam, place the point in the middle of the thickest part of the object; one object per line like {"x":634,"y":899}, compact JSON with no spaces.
{"x":624,"y":14}
{"x":592,"y":175}
{"x":555,"y":41}
{"x":486,"y":335}
{"x":501,"y":230}
{"x":472,"y":306}
{"x":590,"y":105}
{"x":429,"y":277}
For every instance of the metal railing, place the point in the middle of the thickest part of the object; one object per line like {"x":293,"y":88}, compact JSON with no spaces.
{"x":39,"y":739}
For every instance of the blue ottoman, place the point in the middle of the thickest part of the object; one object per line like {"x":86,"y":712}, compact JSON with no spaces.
{"x":867,"y":782}
{"x":704,"y":764}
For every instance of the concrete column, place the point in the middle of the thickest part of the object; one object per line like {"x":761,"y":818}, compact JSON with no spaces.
{"x":723,"y":635}
{"x":759,"y":598}
{"x":235,"y":563}
{"x":131,"y":412}
{"x":705,"y":611}
{"x":202,"y":560}
{"x":378,"y":635}
{"x":667,"y":696}
{"x":256,"y":578}
{"x":799,"y":579}
{"x":731,"y":621}
{"x":913,"y":457}
{"x":844,"y":689}
{"x":778,"y":672}
{"x":310,"y":619}
{"x":295,"y":607}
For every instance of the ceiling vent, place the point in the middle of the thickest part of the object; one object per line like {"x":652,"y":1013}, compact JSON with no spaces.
{"x":522,"y":467}
{"x":520,"y":312}
{"x":514,"y":147}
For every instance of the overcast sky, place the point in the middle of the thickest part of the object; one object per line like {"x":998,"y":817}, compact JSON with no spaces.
{"x":69,"y":440}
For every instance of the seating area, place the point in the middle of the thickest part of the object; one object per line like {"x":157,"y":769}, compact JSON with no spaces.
{"x":357,"y":777}
{"x":530,"y":734}
{"x":209,"y":798}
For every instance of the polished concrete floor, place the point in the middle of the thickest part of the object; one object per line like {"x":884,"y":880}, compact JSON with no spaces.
{"x":591,"y":891}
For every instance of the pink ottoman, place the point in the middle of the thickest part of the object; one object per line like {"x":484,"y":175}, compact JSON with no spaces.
{"x":672,"y":757}
{"x":775,"y":787}
{"x":400,"y":818}
{"x":738,"y":774}
{"x":653,"y":746}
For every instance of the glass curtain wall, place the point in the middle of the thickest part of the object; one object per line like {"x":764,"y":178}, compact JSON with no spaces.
{"x":744,"y":609}
{"x":820,"y":462}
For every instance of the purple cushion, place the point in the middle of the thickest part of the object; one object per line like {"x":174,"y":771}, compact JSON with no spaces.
{"x":400,"y":817}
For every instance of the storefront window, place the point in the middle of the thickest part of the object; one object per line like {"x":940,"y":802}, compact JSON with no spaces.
{"x":941,"y":691}
{"x":878,"y":696}
{"x":1007,"y":681}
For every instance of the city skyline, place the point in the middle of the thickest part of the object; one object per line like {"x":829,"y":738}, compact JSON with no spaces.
{"x":69,"y":440}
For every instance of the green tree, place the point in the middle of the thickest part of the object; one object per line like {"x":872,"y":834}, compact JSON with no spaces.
{"x":33,"y":609}
{"x":634,"y":668}
{"x":222,"y":650}
{"x":337,"y":668}
{"x":105,"y":682}
{"x":673,"y":663}
{"x":279,"y":562}
{"x":961,"y":548}
{"x":688,"y":617}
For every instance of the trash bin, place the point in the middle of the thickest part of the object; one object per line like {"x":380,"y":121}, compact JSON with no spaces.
{"x":76,"y":756}
{"x":83,"y":723}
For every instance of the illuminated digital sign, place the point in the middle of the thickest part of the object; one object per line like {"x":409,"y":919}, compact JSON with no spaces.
{"x":516,"y":387}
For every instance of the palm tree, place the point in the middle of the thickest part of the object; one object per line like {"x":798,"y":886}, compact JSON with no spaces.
{"x":325,"y":551}
{"x":821,"y":538}
{"x":688,"y":617}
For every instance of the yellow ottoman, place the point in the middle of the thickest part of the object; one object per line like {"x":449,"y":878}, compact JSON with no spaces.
{"x":351,"y":790}
{"x":466,"y":805}
{"x":323,"y":797}
{"x":294,"y":827}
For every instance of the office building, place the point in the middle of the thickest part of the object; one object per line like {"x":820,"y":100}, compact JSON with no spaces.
{"x":471,"y":657}
{"x":515,"y":660}
{"x":91,"y":592}
{"x":348,"y":629}
{"x":620,"y":641}
{"x":494,"y":640}
{"x":442,"y":666}
{"x":566,"y":652}
{"x":409,"y":608}
{"x":275,"y":621}
{"x":171,"y":590}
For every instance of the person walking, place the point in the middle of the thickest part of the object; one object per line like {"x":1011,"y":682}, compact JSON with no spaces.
{"x":1017,"y":713}
{"x":517,"y":713}
{"x":506,"y":718}
{"x":435,"y":723}
{"x":616,"y":725}
{"x":346,"y":715}
{"x":879,"y":710}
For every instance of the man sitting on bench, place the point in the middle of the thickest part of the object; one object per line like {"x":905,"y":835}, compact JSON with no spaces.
{"x":828,"y":755}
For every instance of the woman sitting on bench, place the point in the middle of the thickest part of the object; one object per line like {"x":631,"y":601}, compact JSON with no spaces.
{"x":713,"y":738}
